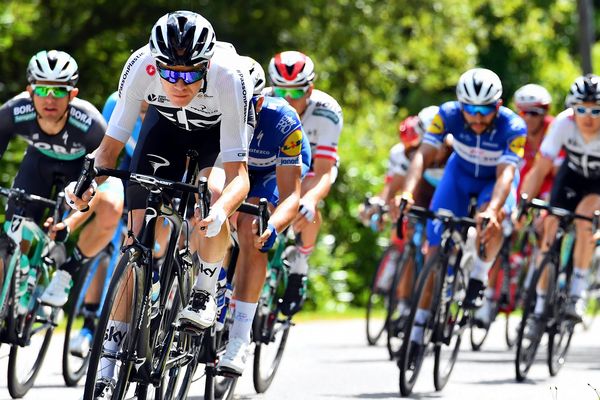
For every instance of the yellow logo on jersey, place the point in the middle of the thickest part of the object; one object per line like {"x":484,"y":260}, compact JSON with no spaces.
{"x":293,"y":144}
{"x":517,"y":146}
{"x":437,"y":125}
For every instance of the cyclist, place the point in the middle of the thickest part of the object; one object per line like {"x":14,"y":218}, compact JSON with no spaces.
{"x":279,"y":155}
{"x":488,"y":144}
{"x":198,"y":99}
{"x":292,"y":75}
{"x":577,"y":184}
{"x":532,"y":102}
{"x":411,"y":131}
{"x":60,"y":129}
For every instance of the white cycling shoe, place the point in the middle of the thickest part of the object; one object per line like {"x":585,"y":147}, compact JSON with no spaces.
{"x":57,"y":292}
{"x":234,"y":359}
{"x":80,"y":345}
{"x":201,"y":311}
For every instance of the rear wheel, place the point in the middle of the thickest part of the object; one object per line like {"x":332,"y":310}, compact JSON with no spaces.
{"x":395,"y":321}
{"x":379,"y":297}
{"x":532,"y":327}
{"x":412,"y":353}
{"x":559,"y":334}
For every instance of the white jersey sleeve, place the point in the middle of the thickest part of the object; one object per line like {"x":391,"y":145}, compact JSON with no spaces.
{"x":135,"y":77}
{"x":557,"y":131}
{"x":323,"y":122}
{"x":398,"y":163}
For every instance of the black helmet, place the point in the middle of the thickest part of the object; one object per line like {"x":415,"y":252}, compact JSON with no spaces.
{"x":182,"y":38}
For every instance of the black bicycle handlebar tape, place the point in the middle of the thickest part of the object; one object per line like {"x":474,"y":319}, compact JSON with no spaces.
{"x":203,"y":201}
{"x":484,"y":224}
{"x":399,"y":233}
{"x":263,"y":215}
{"x":522,"y":206}
{"x":87,"y":175}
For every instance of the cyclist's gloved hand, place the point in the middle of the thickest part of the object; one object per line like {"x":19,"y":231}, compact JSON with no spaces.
{"x":307,"y":211}
{"x":76,"y":203}
{"x":265,"y":241}
{"x":214,"y":221}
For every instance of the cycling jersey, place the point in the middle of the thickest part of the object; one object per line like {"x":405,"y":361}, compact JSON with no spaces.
{"x":49,"y":159}
{"x":479,"y":155}
{"x":278,"y":140}
{"x":581,"y":157}
{"x":529,"y":156}
{"x":222,"y":101}
{"x":107,"y":111}
{"x":82,"y":133}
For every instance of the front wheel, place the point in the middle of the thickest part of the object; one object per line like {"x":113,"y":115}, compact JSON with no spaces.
{"x":380,"y":296}
{"x":395,"y":321}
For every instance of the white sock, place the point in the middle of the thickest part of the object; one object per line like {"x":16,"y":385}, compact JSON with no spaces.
{"x":489,"y":293}
{"x":481,"y":269}
{"x":113,"y":339}
{"x":242,"y":319}
{"x":579,"y":282}
{"x":540,"y":302}
{"x":208,"y":276}
{"x":300,"y":264}
{"x":421,"y":317}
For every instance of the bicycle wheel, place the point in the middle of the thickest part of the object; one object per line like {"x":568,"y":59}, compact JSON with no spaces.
{"x":478,"y":332}
{"x":560,"y":334}
{"x":511,"y":330}
{"x":395,"y":321}
{"x":123,"y":303}
{"x":271,"y":334}
{"x":531,"y":328}
{"x":412,"y":353}
{"x":25,"y":362}
{"x":74,"y":366}
{"x":451,"y":323}
{"x":219,"y":387}
{"x":378,"y":300}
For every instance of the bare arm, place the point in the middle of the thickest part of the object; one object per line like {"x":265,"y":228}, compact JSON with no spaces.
{"x":321,"y":181}
{"x":236,"y":189}
{"x":505,"y":174}
{"x":422,"y":159}
{"x":532,"y":182}
{"x":288,"y":183}
{"x":106,"y":155}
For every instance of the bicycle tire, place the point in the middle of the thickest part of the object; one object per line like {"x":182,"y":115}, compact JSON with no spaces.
{"x":126,"y":268}
{"x":72,"y":372}
{"x":17,"y":386}
{"x":268,"y":329}
{"x":407,"y":379}
{"x":510,"y":331}
{"x":448,"y":324}
{"x":527,"y":347}
{"x":218,"y":387}
{"x":377,"y":299}
{"x":560,"y":333}
{"x":393,"y":321}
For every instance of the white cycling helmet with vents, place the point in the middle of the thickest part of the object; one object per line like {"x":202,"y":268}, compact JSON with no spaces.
{"x":479,"y":86}
{"x":291,"y":68}
{"x":53,"y":66}
{"x":532,"y":95}
{"x":257,"y":74}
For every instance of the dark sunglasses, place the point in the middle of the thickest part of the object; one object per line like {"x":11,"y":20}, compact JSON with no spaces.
{"x":534,"y":111}
{"x":474,"y":109}
{"x":188,"y":77}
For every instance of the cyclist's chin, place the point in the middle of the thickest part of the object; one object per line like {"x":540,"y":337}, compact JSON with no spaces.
{"x":478,"y":128}
{"x":180,"y":100}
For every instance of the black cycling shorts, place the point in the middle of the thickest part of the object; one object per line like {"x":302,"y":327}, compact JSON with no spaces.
{"x":161,"y":151}
{"x":39,"y":174}
{"x":569,"y":188}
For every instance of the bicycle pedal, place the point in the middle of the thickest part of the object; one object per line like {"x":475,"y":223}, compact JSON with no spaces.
{"x":228,"y":373}
{"x":189,"y":329}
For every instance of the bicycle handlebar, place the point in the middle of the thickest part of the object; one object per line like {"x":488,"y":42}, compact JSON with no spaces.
{"x":20,"y":195}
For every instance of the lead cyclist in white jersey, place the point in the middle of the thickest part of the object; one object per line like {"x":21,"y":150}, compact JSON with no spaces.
{"x":292,"y":74}
{"x":198,"y":99}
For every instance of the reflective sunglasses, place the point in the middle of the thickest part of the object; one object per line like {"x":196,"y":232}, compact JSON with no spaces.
{"x":57,"y":92}
{"x":293,"y":93}
{"x":533,"y":111}
{"x":474,"y":109}
{"x":593,"y":112}
{"x":188,"y":77}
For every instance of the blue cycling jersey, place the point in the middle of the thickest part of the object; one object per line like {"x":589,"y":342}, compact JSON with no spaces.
{"x":107,"y":111}
{"x":479,"y":155}
{"x":278,"y":140}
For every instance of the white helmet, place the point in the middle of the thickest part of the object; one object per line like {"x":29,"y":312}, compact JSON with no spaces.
{"x":257,"y":74}
{"x":479,"y":86}
{"x":291,"y":68}
{"x":426,"y":116}
{"x":182,"y":38}
{"x":53,"y":66}
{"x":532,"y":95}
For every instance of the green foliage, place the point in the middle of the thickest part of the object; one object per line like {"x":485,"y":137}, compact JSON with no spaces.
{"x":382,"y":60}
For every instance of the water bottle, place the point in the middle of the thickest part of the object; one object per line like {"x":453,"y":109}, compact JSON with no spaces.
{"x":25,"y":298}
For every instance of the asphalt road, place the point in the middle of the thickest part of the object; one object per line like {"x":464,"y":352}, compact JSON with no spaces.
{"x":330,"y":360}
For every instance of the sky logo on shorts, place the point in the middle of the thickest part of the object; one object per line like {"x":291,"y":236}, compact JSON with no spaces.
{"x":293,"y":144}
